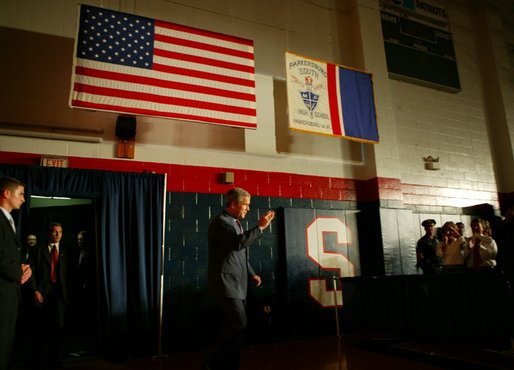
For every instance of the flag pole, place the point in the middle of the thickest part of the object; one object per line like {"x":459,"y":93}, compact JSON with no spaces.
{"x":334,"y":281}
{"x":160,"y":354}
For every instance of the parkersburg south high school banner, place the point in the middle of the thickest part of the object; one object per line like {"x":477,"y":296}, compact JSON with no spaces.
{"x":135,"y":65}
{"x":329,"y":99}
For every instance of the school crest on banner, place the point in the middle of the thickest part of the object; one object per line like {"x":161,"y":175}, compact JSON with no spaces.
{"x":329,"y":99}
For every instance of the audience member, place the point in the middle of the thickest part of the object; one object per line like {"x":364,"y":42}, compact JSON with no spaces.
{"x":86,"y":261}
{"x":480,"y":250}
{"x":50,"y":287}
{"x":28,"y":246}
{"x":86,"y":290}
{"x":461,"y":227}
{"x":426,"y":247}
{"x":451,"y":248}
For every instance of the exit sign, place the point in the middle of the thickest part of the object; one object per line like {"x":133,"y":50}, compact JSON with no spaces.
{"x":54,"y":161}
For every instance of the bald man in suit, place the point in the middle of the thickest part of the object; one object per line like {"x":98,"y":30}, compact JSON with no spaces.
{"x":12,"y":272}
{"x":228,"y":274}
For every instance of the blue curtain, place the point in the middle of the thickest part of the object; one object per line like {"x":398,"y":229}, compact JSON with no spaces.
{"x":130,"y":234}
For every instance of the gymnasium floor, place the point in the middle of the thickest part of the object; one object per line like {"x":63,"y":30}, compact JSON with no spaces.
{"x":329,"y":353}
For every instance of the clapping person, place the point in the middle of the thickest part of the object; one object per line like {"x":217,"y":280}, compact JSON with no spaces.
{"x":451,"y":248}
{"x":480,"y":250}
{"x":462,"y":227}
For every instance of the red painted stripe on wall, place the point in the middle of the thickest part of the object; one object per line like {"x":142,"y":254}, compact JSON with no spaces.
{"x":182,"y":178}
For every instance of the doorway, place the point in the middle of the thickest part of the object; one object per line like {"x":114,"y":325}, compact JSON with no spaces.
{"x":76,"y":216}
{"x":129,"y":208}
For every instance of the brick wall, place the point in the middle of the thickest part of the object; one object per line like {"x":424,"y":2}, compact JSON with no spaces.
{"x":188,"y":309}
{"x":387,"y":231}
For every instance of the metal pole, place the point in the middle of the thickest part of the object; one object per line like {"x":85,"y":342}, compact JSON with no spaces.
{"x":159,"y":354}
{"x":340,"y":354}
{"x":334,"y":281}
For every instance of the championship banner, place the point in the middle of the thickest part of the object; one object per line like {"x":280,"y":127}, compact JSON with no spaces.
{"x":329,"y":99}
{"x":130,"y":64}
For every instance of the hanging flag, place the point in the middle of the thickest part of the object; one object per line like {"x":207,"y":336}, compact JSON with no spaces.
{"x":129,"y":64}
{"x":330,"y":99}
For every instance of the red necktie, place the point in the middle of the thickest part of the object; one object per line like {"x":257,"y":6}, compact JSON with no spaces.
{"x":53,"y":266}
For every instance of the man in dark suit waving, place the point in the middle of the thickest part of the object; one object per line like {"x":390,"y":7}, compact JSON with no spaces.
{"x":12,"y":271}
{"x":228,"y":274}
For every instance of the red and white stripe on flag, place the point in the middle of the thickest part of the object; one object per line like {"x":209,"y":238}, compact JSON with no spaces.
{"x":136,"y":65}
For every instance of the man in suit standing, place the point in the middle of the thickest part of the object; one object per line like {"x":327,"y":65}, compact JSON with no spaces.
{"x":85,"y":294}
{"x":12,"y":272}
{"x":50,"y":264}
{"x":228,"y":274}
{"x":28,"y":246}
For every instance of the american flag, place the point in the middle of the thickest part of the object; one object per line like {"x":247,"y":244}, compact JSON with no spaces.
{"x":136,"y":65}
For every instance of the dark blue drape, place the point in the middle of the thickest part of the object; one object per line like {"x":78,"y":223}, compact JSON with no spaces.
{"x":130,"y":235}
{"x":131,"y":214}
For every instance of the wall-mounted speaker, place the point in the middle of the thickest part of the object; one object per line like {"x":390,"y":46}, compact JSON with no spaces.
{"x":126,"y":127}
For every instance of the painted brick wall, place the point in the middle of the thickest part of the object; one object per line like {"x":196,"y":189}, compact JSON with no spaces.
{"x":421,"y":121}
{"x":187,"y":306}
{"x":386,"y":235}
{"x":451,"y":126}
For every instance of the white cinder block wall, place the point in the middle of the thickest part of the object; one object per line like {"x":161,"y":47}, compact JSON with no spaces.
{"x":414,"y":121}
{"x":454,"y":127}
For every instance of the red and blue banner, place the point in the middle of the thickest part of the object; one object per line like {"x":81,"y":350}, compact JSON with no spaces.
{"x":329,"y":99}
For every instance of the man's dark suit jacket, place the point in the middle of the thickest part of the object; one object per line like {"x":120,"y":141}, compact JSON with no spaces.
{"x":228,"y":257}
{"x":10,"y":274}
{"x":40,"y":261}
